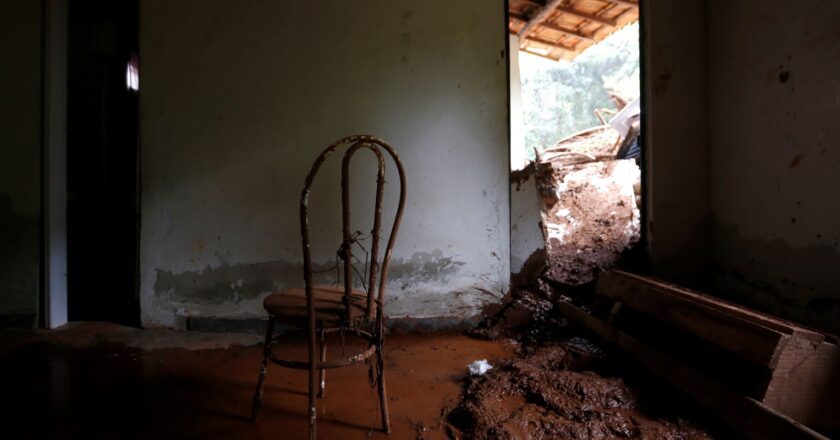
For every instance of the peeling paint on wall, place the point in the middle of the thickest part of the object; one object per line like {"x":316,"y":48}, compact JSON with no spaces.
{"x":426,"y":285}
{"x":228,"y":283}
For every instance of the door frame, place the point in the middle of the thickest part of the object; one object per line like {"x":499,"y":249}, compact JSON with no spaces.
{"x":54,"y":164}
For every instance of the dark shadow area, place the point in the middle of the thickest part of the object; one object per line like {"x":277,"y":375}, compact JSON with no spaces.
{"x":52,"y":390}
{"x":102,"y":146}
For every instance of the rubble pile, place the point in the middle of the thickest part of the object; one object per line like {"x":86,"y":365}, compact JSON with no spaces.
{"x":551,"y":394}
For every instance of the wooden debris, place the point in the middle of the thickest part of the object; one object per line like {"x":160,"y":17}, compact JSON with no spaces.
{"x":766,"y":377}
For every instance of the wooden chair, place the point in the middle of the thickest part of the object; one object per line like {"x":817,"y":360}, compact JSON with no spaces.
{"x":326,"y":309}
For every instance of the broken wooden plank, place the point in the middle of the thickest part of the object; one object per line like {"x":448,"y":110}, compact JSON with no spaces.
{"x":752,"y":341}
{"x":542,"y":55}
{"x":752,"y":418}
{"x":536,"y":20}
{"x":757,"y":317}
{"x":553,"y":44}
{"x":806,"y":383}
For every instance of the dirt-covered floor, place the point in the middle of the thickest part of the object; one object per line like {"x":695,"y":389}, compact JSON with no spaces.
{"x":105,"y":381}
{"x":556,"y":391}
{"x":561,"y":385}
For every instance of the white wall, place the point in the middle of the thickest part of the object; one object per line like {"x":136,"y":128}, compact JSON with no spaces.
{"x":237,"y":99}
{"x":518,"y":158}
{"x":775,"y":162}
{"x":526,"y":233}
{"x":676,"y":152}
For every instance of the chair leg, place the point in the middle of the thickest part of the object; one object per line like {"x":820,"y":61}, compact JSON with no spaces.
{"x":383,"y":398}
{"x":258,"y":394}
{"x":313,"y":389}
{"x":323,"y":359}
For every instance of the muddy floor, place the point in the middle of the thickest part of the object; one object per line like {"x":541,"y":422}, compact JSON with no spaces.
{"x":104,"y":381}
{"x":560,"y":385}
{"x":551,"y":393}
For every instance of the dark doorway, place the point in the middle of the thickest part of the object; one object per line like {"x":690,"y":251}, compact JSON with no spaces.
{"x":102,"y":146}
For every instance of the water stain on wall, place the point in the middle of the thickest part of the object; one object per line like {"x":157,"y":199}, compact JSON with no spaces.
{"x":241,"y":281}
{"x":797,"y":283}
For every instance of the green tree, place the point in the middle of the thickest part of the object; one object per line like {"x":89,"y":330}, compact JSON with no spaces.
{"x":559,"y":98}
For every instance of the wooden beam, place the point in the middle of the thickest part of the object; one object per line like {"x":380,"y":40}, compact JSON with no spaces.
{"x":531,"y":52}
{"x":553,"y":44}
{"x":752,"y":418}
{"x":537,"y":19}
{"x":740,"y":336}
{"x":724,"y":306}
{"x":623,"y":3}
{"x":544,"y":42}
{"x":569,"y":32}
{"x":590,"y":17}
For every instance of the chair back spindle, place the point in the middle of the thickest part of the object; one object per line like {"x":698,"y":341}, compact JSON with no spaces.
{"x":376,"y":273}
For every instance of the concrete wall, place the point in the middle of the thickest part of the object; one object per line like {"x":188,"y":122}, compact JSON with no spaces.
{"x":237,"y":99}
{"x":526,"y":232}
{"x":677,"y":174}
{"x":526,"y":237}
{"x":20,"y":161}
{"x":518,"y":158}
{"x":775,"y":164}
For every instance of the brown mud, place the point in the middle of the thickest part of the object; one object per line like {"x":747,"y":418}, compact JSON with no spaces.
{"x":549,"y":394}
{"x":104,"y":381}
{"x":560,"y":385}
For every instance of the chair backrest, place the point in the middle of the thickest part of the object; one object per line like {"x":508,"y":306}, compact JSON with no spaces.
{"x":355,"y":143}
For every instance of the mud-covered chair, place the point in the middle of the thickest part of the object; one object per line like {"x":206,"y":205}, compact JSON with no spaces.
{"x":327,"y":309}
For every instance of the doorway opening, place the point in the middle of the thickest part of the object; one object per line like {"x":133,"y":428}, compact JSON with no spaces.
{"x":102,"y":161}
{"x":575,"y":125}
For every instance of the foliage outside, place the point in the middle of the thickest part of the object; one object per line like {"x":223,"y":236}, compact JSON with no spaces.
{"x":559,"y":98}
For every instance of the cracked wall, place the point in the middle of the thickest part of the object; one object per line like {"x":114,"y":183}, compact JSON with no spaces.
{"x":235,"y":106}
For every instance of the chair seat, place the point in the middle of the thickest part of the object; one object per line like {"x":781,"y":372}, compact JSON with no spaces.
{"x":289,"y":305}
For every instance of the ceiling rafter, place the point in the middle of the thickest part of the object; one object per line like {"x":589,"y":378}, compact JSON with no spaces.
{"x":624,"y":3}
{"x":547,"y":25}
{"x":536,"y":20}
{"x":590,"y":17}
{"x":544,"y":42}
{"x":574,"y":12}
{"x":553,"y":44}
{"x":568,"y":27}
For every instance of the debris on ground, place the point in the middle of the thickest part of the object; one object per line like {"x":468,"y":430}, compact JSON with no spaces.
{"x":591,"y":218}
{"x":479,"y":367}
{"x":589,"y":187}
{"x":551,"y":394}
{"x":560,"y":385}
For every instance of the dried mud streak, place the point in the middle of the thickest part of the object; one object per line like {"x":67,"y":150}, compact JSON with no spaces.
{"x":539,"y":396}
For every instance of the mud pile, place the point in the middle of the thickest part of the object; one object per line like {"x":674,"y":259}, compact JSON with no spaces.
{"x":547,"y":394}
{"x":590,"y":218}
